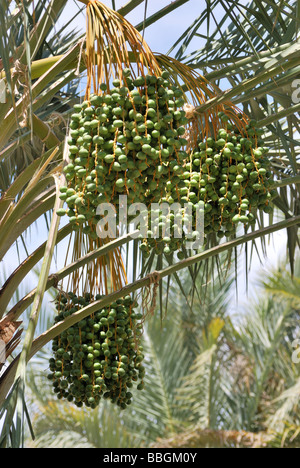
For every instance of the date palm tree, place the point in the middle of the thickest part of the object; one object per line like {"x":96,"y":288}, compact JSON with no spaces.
{"x":253,"y":50}
{"x":232,"y":384}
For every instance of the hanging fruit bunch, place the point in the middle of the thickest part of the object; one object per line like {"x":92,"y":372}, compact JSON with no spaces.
{"x":132,"y":136}
{"x":111,"y":151}
{"x":128,"y":141}
{"x":229,"y":175}
{"x":235,"y":179}
{"x":127,"y":137}
{"x":100,"y":356}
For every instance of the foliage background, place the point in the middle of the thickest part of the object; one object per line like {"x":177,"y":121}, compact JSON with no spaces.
{"x":166,"y":422}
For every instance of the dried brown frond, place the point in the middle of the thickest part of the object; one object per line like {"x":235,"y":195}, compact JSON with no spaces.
{"x":9,"y":337}
{"x":113,"y":44}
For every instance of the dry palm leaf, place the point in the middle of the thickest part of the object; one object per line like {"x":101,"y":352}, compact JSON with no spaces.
{"x":102,"y":276}
{"x":113,"y":44}
{"x":9,"y":338}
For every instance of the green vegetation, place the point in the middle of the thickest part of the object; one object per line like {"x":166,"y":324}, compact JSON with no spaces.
{"x":214,"y":120}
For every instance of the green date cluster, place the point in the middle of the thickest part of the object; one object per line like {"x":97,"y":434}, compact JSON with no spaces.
{"x":230,"y":176}
{"x":99,"y":356}
{"x":127,"y":141}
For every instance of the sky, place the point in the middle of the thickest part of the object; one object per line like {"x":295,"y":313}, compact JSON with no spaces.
{"x":160,"y":37}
